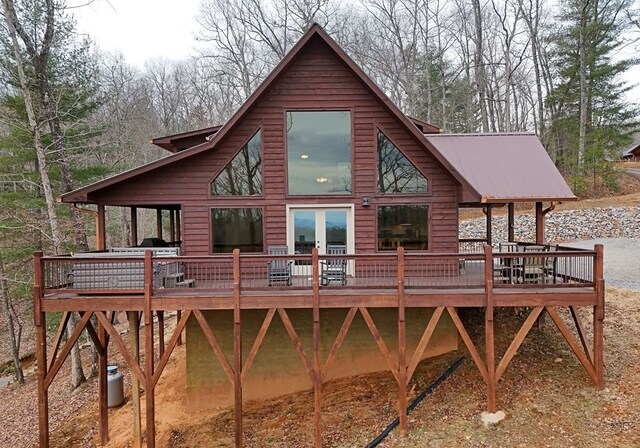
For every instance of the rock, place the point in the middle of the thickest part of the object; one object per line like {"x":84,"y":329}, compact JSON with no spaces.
{"x":558,"y":360}
{"x":489,"y":419}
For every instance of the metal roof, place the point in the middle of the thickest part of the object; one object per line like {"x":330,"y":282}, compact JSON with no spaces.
{"x":504,"y":167}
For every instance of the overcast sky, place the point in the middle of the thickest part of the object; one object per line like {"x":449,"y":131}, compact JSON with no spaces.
{"x":148,"y":29}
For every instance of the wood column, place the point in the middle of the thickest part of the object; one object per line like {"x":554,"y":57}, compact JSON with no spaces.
{"x":172,"y":225}
{"x":489,"y":330}
{"x":133,"y":240}
{"x":159,"y":223}
{"x":317,"y":367}
{"x":539,"y":224}
{"x":160,"y":315}
{"x":178,"y":225}
{"x":488,"y":212}
{"x":237,"y":350}
{"x":511,"y":222}
{"x":598,"y":317}
{"x":149,"y":351}
{"x":134,"y":347}
{"x":101,"y":235}
{"x":402,"y":339}
{"x":40,"y":322}
{"x":103,"y":403}
{"x":178,"y":317}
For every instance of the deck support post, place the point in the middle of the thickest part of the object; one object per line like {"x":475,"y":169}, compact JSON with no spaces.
{"x":539,"y":224}
{"x":489,"y":330}
{"x":488,"y":211}
{"x":317,"y":375}
{"x":134,"y":347}
{"x":160,"y":315}
{"x":149,"y":350}
{"x":511,"y":222}
{"x":101,"y":235}
{"x":159,"y":223}
{"x":102,"y":386}
{"x":237,"y":350}
{"x":178,"y":317}
{"x":133,"y":240}
{"x":40,"y":321}
{"x":598,"y":318}
{"x":402,"y":355}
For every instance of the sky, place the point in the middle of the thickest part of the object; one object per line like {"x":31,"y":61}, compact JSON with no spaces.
{"x":150,"y":29}
{"x":140,"y":29}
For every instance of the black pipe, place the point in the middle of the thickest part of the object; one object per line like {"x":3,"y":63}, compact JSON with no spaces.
{"x":375,"y":442}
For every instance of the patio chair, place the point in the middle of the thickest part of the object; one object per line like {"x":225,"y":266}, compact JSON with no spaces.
{"x":334,"y":270}
{"x":279,"y":271}
{"x":504,"y":270}
{"x":534,"y":268}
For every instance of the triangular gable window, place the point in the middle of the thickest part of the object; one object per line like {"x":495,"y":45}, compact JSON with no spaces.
{"x":396,"y":173}
{"x":243,"y":175}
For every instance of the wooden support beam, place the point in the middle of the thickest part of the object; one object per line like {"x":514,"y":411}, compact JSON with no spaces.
{"x":489,"y":339}
{"x":173,"y":341}
{"x":489,"y":212}
{"x":381,"y":345}
{"x":40,"y":321}
{"x":293,"y":335}
{"x":101,"y":232}
{"x":468,"y":342}
{"x":172,"y":225}
{"x":160,"y":315}
{"x":133,"y":239}
{"x":573,"y":344}
{"x":178,"y":225}
{"x":149,"y":354}
{"x":581,"y":333}
{"x":511,"y":222}
{"x":103,"y":403}
{"x":424,"y":341}
{"x":159,"y":223}
{"x":317,"y":366}
{"x":213,"y":342}
{"x":134,"y":347}
{"x":237,"y":349}
{"x":539,"y":224}
{"x":58,"y":338}
{"x":122,"y":348}
{"x":598,"y":316}
{"x":402,"y":346}
{"x":257,"y":343}
{"x":517,"y":341}
{"x":338,"y":342}
{"x":178,"y":317}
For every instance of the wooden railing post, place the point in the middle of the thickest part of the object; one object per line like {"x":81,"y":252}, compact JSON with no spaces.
{"x":237,"y":349}
{"x":39,"y":319}
{"x":402,"y":355}
{"x":317,"y":376}
{"x":149,"y":350}
{"x":489,"y":329}
{"x":598,"y":316}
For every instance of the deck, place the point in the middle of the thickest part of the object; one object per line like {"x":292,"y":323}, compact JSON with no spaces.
{"x":147,"y":284}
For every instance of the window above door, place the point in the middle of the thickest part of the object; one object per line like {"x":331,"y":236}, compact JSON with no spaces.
{"x":319,"y":152}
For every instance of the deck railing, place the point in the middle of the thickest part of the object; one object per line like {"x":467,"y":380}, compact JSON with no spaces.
{"x":564,"y":267}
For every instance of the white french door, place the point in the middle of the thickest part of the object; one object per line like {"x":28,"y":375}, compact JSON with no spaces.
{"x":313,"y":226}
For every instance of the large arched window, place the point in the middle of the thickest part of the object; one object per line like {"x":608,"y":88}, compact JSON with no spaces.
{"x":396,"y":173}
{"x":243,"y":175}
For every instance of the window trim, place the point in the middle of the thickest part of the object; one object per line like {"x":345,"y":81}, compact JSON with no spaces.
{"x":379,"y":127}
{"x":336,"y":108}
{"x":210,"y":220}
{"x":429,"y":207}
{"x":220,"y":169}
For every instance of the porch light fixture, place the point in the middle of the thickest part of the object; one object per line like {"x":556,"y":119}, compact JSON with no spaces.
{"x":365,"y":201}
{"x":304,"y":156}
{"x":322,"y":180}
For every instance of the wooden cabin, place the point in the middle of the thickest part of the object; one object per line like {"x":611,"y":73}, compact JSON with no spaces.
{"x":319,"y":200}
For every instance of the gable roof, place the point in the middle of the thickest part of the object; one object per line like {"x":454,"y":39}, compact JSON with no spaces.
{"x":315,"y":32}
{"x":504,"y":167}
{"x":633,"y":148}
{"x":185,"y":140}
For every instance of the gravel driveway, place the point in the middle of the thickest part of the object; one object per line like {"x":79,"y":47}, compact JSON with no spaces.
{"x":621,"y":267}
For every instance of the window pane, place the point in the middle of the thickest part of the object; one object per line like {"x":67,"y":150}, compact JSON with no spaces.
{"x":242,"y":176}
{"x":319,"y":152}
{"x":336,"y":227}
{"x":396,"y":174}
{"x":304,"y":230}
{"x":403,"y":225}
{"x":239,"y":228}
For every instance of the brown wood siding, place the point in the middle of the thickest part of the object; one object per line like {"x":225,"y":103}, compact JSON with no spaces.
{"x":316,"y":80}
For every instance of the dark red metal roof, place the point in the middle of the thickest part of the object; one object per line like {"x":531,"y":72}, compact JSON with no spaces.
{"x":504,"y":167}
{"x":185,"y":140}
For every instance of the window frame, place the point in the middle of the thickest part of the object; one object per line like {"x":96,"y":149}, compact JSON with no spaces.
{"x":333,"y":108}
{"x":379,"y":127}
{"x":405,"y":204}
{"x":220,"y":169}
{"x":210,"y":220}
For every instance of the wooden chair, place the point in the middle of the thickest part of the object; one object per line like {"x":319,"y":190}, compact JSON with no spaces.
{"x":336,"y":269}
{"x":504,"y":271}
{"x":533,"y":268}
{"x":279,"y":271}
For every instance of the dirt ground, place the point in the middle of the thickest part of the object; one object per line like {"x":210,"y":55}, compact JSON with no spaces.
{"x":548,"y":398}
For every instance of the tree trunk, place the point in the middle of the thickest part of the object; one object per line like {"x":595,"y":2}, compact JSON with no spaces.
{"x":479,"y":66}
{"x":583,"y":83}
{"x":77,"y":374}
{"x":14,"y":341}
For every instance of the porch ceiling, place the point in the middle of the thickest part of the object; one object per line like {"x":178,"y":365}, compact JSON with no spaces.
{"x":504,"y":167}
